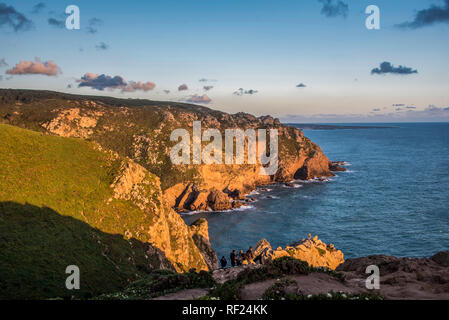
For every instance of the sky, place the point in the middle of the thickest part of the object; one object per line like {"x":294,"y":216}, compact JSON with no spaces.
{"x":299,"y":60}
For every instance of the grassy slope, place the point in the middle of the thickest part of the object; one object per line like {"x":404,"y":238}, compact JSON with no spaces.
{"x":30,"y":109}
{"x":54,"y":212}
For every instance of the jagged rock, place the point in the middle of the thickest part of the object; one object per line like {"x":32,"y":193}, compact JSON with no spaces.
{"x":442,"y":258}
{"x":199,"y":231}
{"x":261,"y":247}
{"x":130,"y":184}
{"x":236,"y":204}
{"x":74,"y":122}
{"x":315,"y":252}
{"x":186,"y":197}
{"x":234,"y":194}
{"x":314,"y":167}
{"x":336,"y":166}
{"x":218,"y":200}
{"x":200,"y":203}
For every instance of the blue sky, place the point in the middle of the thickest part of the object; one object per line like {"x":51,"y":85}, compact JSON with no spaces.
{"x":268,"y":47}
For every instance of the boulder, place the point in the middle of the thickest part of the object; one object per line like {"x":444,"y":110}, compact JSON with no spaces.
{"x":313,"y":251}
{"x":200,"y":203}
{"x":314,"y":167}
{"x":442,"y":258}
{"x":336,"y":166}
{"x":218,"y":200}
{"x":261,"y":247}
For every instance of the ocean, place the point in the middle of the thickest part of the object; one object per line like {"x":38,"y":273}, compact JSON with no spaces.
{"x":394,"y":198}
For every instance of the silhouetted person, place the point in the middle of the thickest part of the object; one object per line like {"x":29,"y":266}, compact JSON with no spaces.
{"x":233,"y":258}
{"x":223,"y":262}
{"x":240,"y":258}
{"x":249,"y":253}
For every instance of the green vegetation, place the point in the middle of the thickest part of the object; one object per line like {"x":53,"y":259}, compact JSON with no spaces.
{"x":135,"y":128}
{"x":277,"y":291}
{"x":161,"y":282}
{"x":277,"y":268}
{"x":57,"y":209}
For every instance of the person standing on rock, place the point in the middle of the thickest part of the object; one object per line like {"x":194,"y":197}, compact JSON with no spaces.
{"x":233,"y":258}
{"x":240,"y":258}
{"x":249,"y":254}
{"x":223,"y":262}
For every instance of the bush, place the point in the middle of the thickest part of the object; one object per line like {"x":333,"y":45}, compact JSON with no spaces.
{"x":161,"y":282}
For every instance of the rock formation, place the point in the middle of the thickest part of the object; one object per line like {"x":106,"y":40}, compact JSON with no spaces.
{"x":315,"y":252}
{"x":402,"y":278}
{"x":336,"y":166}
{"x":140,"y":130}
{"x":200,"y":234}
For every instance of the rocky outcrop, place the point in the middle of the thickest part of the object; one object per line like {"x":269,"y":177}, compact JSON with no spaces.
{"x":336,"y":166}
{"x":403,"y":278}
{"x":130,"y":184}
{"x":312,"y":250}
{"x":133,"y":129}
{"x":200,"y":234}
{"x":218,"y":200}
{"x":74,"y":122}
{"x":314,"y":167}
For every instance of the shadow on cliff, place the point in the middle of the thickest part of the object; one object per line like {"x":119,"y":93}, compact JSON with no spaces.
{"x":37,"y":244}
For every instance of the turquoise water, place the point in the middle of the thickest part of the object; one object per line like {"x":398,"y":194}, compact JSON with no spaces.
{"x":393,"y":200}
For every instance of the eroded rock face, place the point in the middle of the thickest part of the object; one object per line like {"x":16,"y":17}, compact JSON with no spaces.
{"x":133,"y":130}
{"x":140,"y":129}
{"x":218,"y":200}
{"x":185,"y":248}
{"x":199,"y":231}
{"x":130,"y":184}
{"x":74,"y":122}
{"x":315,"y":167}
{"x":336,"y":166}
{"x":315,"y":252}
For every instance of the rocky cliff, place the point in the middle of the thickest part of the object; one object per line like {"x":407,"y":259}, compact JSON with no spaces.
{"x":140,"y":130}
{"x":67,"y":201}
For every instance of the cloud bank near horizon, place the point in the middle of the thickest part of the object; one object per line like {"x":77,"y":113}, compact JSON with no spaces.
{"x":241,"y":92}
{"x":431,"y":113}
{"x":48,"y":68}
{"x":199,"y":99}
{"x":102,"y":81}
{"x":386,"y":67}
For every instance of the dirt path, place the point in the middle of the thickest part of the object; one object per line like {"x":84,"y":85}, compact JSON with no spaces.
{"x":313,"y":283}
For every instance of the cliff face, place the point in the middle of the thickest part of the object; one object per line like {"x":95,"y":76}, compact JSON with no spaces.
{"x":136,"y":135}
{"x":200,"y":234}
{"x":67,"y":201}
{"x":140,"y":130}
